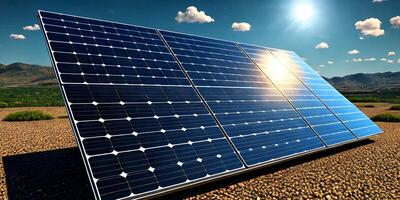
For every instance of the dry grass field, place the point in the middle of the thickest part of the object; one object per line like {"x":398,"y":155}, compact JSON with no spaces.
{"x":40,"y":161}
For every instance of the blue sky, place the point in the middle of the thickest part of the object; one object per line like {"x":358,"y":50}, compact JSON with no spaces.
{"x":298,"y":25}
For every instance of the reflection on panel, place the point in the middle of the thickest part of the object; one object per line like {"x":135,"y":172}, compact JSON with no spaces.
{"x":257,"y":118}
{"x":327,"y":125}
{"x":351,"y":116}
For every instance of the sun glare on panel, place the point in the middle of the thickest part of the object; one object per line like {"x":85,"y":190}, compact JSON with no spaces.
{"x":275,"y":70}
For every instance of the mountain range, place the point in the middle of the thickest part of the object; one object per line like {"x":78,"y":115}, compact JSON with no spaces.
{"x":21,"y":74}
{"x":362,"y":82}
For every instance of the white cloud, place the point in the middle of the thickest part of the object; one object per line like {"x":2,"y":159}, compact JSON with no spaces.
{"x":305,"y":59}
{"x":34,"y":27}
{"x":353,"y":52}
{"x":17,"y":36}
{"x":357,"y":60}
{"x":369,"y":59}
{"x":377,"y":1}
{"x":322,"y":45}
{"x":383,"y":59}
{"x":361,"y":38}
{"x":330,"y":62}
{"x":398,"y":61}
{"x":241,"y":26}
{"x":321,"y":66}
{"x":371,"y":26}
{"x":390,"y":61}
{"x":391,"y":53}
{"x":192,"y":15}
{"x":395,"y":22}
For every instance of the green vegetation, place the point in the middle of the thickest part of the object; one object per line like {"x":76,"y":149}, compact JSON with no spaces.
{"x":395,"y":107}
{"x":28,"y":116}
{"x":30,"y":96}
{"x":383,"y":96}
{"x":3,"y":104}
{"x":363,"y":99}
{"x":62,"y":117}
{"x":386,"y":117}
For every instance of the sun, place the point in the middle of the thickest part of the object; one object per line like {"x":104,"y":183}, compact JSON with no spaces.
{"x":303,"y":12}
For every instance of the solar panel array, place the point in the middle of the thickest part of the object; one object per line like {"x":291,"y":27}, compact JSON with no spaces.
{"x":154,"y":110}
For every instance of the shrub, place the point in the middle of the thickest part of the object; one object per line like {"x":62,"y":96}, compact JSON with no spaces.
{"x":28,"y":116}
{"x":386,"y":117}
{"x":3,"y":104}
{"x":395,"y":107}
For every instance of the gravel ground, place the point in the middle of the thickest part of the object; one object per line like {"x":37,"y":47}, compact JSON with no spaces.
{"x":366,"y":170}
{"x":27,"y":137}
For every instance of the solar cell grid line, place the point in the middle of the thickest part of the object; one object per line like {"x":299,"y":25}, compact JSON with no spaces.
{"x":256,"y":117}
{"x":140,"y":126}
{"x":323,"y":121}
{"x":349,"y":114}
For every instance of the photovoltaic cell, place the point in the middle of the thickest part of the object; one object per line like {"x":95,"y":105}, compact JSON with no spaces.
{"x":258,"y":120}
{"x":154,"y":111}
{"x":139,"y":123}
{"x":349,"y":114}
{"x":323,"y":121}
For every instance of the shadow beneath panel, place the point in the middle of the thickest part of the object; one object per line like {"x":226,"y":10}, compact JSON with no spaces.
{"x":60,"y":174}
{"x":56,"y":174}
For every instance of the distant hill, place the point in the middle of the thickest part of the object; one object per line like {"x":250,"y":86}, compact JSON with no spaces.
{"x":367,"y":82}
{"x":21,"y":74}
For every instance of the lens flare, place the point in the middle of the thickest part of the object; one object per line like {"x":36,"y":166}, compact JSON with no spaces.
{"x":303,"y":12}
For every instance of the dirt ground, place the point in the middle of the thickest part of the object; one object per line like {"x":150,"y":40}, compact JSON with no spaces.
{"x":43,"y":162}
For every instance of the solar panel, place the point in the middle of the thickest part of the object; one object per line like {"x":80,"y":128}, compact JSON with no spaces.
{"x":139,"y":123}
{"x":154,"y":110}
{"x":326,"y":124}
{"x":349,"y":114}
{"x":259,"y":121}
